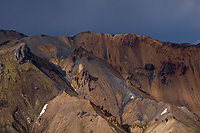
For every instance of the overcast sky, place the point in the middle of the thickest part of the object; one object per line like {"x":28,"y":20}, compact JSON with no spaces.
{"x":164,"y":20}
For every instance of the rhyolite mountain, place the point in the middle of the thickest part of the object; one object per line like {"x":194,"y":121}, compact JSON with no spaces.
{"x":95,"y":82}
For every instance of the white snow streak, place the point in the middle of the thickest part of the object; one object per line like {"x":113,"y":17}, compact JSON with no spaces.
{"x":165,"y":111}
{"x":43,"y":110}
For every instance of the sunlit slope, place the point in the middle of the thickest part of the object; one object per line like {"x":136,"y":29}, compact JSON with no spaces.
{"x":167,"y":71}
{"x":70,"y":114}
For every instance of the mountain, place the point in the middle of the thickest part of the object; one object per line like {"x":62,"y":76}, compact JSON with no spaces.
{"x":96,"y":82}
{"x":8,"y":35}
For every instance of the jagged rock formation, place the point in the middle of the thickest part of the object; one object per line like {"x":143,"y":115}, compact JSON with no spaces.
{"x":122,"y":83}
{"x":22,"y":53}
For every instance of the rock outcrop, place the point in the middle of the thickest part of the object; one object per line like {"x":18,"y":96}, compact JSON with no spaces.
{"x":22,"y":53}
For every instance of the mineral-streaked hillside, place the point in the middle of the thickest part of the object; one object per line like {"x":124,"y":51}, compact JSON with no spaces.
{"x":95,"y":82}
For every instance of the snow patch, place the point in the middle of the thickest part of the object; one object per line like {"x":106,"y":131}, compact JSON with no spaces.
{"x":43,"y":110}
{"x":132,"y":97}
{"x":165,"y":111}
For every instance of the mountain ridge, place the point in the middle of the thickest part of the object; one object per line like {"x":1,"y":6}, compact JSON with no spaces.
{"x":120,"y":75}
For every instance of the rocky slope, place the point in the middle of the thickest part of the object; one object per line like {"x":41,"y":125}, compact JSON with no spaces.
{"x":156,"y":67}
{"x":95,"y":82}
{"x":70,"y":114}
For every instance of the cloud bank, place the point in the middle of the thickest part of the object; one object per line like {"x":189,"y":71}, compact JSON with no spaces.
{"x":165,"y":20}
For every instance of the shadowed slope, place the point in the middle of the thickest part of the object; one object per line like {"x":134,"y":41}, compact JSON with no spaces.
{"x":47,"y":47}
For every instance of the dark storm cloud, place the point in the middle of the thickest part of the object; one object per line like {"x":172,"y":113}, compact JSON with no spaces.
{"x":165,"y":20}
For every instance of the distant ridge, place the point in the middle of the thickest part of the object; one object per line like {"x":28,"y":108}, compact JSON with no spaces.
{"x":11,"y":33}
{"x":8,"y":35}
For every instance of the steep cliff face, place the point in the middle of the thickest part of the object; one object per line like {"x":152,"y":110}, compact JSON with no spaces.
{"x":169,"y":72}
